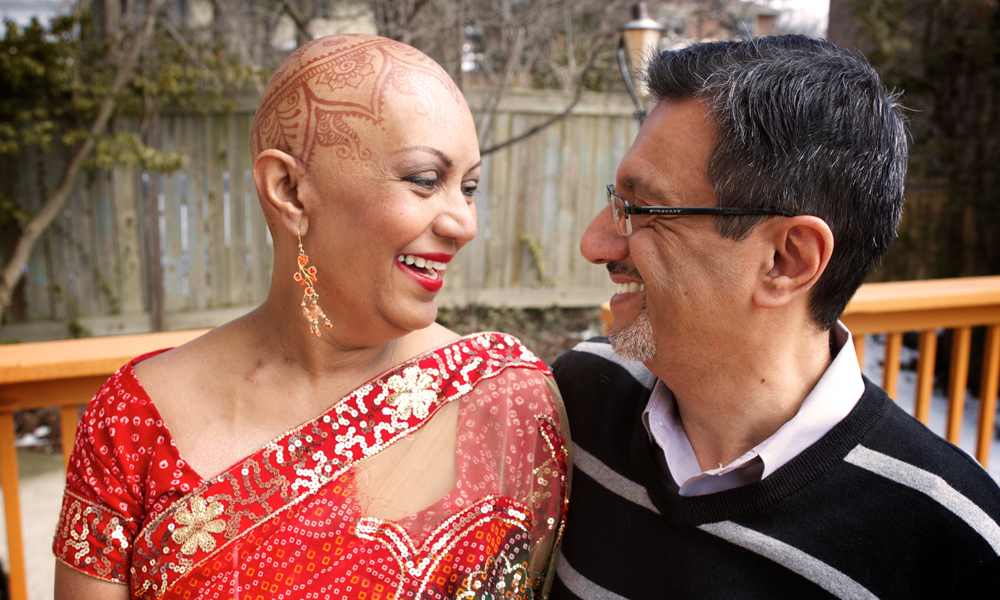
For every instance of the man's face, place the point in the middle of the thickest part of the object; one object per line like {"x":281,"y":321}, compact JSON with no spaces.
{"x":697,"y":284}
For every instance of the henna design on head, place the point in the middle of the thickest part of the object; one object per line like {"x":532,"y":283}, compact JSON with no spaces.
{"x":329,"y":87}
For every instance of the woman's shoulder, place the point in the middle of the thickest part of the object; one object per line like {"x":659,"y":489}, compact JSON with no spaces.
{"x":502,"y":350}
{"x":510,"y":375}
{"x":121,"y":396}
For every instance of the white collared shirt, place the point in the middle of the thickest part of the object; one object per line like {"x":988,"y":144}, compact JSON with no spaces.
{"x":834,"y":396}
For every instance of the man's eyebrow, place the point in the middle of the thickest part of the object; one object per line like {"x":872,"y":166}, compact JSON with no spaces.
{"x":444,"y":157}
{"x":633,"y":183}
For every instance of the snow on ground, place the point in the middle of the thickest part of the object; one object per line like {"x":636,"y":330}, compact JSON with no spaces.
{"x":874,"y":356}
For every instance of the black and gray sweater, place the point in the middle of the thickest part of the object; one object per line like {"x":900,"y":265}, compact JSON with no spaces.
{"x":879,"y":507}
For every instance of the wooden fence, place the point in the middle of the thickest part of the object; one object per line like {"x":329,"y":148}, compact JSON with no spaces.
{"x":90,"y":272}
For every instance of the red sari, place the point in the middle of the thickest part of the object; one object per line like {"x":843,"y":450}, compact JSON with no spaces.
{"x":308,"y":515}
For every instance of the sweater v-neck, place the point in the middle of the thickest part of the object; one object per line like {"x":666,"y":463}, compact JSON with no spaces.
{"x":690,"y":511}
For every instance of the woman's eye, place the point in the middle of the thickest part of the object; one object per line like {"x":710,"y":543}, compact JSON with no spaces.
{"x":470,"y":190}
{"x":423,"y":181}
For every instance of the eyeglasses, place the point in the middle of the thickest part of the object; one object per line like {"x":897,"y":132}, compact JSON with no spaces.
{"x":621,"y":211}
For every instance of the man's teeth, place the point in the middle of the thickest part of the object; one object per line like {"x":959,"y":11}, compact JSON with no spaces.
{"x":629,"y":288}
{"x":421,"y":262}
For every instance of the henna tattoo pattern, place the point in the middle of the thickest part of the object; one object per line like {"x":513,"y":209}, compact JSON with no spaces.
{"x":321,"y":94}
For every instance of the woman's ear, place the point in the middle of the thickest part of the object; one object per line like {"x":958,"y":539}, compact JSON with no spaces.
{"x":278,"y":176}
{"x":800,"y":249}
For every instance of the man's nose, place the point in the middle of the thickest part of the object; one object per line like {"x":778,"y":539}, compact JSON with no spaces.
{"x":601,"y":242}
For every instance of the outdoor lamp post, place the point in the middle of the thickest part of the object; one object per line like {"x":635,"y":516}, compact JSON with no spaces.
{"x":639,"y":38}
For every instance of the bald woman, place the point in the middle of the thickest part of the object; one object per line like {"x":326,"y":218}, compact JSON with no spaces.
{"x":335,"y":442}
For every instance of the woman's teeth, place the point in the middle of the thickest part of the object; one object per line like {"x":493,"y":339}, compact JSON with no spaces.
{"x":420,"y":262}
{"x":431,"y":266}
{"x":629,"y":288}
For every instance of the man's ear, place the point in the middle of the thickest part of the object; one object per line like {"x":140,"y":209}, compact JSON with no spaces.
{"x":278,"y":176}
{"x":800,"y":250}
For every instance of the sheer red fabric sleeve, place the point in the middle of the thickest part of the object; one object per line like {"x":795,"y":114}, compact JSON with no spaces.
{"x":513,"y":441}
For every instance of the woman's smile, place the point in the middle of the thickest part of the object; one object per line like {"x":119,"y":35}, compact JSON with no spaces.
{"x":425,"y":269}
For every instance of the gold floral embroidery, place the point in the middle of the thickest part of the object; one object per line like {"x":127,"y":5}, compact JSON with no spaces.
{"x":498,"y":579}
{"x":199,"y":523}
{"x":414,"y":394}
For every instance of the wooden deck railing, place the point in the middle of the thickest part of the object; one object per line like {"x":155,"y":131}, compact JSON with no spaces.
{"x":64,"y":374}
{"x":926,"y":307}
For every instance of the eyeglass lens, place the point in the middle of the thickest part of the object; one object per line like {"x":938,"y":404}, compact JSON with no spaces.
{"x":622,"y":222}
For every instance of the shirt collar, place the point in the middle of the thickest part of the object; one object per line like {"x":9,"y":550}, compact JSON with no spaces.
{"x":832,"y":399}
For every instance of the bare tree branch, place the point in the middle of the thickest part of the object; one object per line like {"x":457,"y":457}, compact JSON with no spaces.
{"x":301,"y":23}
{"x":593,"y":45}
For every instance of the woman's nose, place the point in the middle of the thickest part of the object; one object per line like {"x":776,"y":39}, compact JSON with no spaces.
{"x":458,"y":220}
{"x":601,"y":242}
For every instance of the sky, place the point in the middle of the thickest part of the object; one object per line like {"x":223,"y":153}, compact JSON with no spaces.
{"x":808,"y":15}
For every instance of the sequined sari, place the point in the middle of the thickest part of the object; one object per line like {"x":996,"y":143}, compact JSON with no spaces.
{"x":445,"y":477}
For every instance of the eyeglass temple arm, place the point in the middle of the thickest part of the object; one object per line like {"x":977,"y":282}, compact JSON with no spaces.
{"x":707,"y":210}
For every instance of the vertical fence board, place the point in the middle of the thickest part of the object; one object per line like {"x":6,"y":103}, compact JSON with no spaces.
{"x":236,"y":255}
{"x":172,"y":135}
{"x":515,"y":204}
{"x":38,"y":290}
{"x":196,"y":205}
{"x":125,"y":201}
{"x":262,"y":256}
{"x":497,"y":187}
{"x":534,"y":199}
{"x":105,"y":260}
{"x":61,"y":263}
{"x":582,"y":210}
{"x":80,"y":220}
{"x":215,"y":161}
{"x":545,"y":232}
{"x":569,"y":179}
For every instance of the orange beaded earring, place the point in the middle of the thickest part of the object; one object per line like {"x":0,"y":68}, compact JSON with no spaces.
{"x":310,"y":299}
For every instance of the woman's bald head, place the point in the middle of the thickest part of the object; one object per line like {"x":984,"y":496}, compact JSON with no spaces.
{"x":345,"y":93}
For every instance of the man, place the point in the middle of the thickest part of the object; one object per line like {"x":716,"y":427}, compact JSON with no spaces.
{"x":726,"y":443}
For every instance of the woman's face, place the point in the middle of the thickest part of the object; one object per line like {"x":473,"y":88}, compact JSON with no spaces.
{"x":383,"y":231}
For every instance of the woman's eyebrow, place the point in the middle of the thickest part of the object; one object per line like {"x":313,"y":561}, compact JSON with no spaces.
{"x":444,"y":157}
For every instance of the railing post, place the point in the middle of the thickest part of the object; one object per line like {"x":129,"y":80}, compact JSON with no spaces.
{"x":925,"y":375}
{"x":12,"y":507}
{"x":988,"y":393}
{"x":859,"y":348}
{"x":68,"y":418}
{"x":958,"y":379}
{"x":890,"y":367}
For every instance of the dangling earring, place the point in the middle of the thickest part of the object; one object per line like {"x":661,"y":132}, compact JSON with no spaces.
{"x":310,"y":300}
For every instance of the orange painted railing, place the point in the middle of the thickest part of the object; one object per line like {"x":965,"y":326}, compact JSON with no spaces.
{"x":928,"y":306}
{"x":65,"y":374}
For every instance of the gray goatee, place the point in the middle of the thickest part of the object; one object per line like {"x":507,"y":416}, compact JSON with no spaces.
{"x":635,"y":342}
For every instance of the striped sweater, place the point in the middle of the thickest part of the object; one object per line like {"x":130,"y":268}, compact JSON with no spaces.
{"x":879,"y":507}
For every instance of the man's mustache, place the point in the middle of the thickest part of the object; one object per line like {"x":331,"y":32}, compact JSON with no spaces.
{"x":616,"y":267}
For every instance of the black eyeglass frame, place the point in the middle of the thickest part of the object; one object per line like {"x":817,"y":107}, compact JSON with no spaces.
{"x":679,"y":210}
